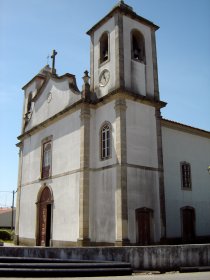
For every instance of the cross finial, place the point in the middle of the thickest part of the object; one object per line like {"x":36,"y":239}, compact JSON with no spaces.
{"x":53,"y":61}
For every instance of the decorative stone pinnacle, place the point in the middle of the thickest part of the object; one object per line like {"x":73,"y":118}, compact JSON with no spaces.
{"x":121,"y":3}
{"x":86,"y":86}
{"x":86,"y":77}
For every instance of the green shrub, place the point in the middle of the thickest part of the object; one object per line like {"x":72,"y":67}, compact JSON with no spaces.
{"x":5,"y":234}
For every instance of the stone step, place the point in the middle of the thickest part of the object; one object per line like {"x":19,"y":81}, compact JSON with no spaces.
{"x":47,"y":267}
{"x":71,"y":272}
{"x":64,"y":265}
{"x":44,"y":260}
{"x":194,"y":269}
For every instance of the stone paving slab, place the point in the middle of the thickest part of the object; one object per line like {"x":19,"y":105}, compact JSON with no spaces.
{"x":137,"y":276}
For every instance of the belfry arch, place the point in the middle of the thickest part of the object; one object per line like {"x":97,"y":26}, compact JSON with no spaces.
{"x":138,"y":46}
{"x":44,"y":216}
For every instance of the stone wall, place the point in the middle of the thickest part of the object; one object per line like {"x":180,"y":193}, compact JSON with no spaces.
{"x":162,"y":258}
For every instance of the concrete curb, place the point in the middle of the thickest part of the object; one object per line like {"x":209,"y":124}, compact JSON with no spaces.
{"x":194,"y":269}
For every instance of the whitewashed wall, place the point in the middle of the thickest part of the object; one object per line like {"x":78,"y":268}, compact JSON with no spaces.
{"x":6,"y":218}
{"x":98,"y":117}
{"x":141,"y":134}
{"x":143,"y":184}
{"x":180,"y":146}
{"x":102,"y":182}
{"x":65,"y":186}
{"x":45,"y":107}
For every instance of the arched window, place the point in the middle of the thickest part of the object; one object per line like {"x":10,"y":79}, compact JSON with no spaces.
{"x":104,"y":47}
{"x":46,"y":159}
{"x":186,"y":175}
{"x":105,"y":139}
{"x":137,"y":46}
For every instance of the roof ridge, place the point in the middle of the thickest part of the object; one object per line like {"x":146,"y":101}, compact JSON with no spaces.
{"x":185,"y":125}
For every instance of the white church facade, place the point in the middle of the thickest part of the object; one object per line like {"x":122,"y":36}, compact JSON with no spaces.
{"x":101,"y":166}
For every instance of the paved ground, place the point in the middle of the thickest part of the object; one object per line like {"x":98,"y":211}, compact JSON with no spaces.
{"x":139,"y":276}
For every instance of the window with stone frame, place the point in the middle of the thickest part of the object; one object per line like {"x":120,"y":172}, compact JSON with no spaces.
{"x":46,"y":159}
{"x":186,"y":175}
{"x":104,"y":47}
{"x":105,"y":140}
{"x":138,"y":46}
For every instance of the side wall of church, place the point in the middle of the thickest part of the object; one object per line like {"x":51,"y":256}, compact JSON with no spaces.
{"x":179,"y":146}
{"x":64,"y":181}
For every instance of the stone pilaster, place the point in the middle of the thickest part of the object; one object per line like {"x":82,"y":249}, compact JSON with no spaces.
{"x":161,"y":176}
{"x":121,"y":188}
{"x":155,"y":66}
{"x":119,"y":51}
{"x":17,"y":220}
{"x":92,"y":63}
{"x":83,"y":239}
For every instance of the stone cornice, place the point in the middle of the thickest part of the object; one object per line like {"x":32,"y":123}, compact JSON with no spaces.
{"x":127,"y":94}
{"x":92,"y":169}
{"x":125,"y":10}
{"x":40,"y":76}
{"x":74,"y":107}
{"x":113,"y":95}
{"x":185,"y":128}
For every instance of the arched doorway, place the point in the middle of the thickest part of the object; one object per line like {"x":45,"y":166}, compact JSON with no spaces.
{"x":44,"y":205}
{"x":144,"y":225}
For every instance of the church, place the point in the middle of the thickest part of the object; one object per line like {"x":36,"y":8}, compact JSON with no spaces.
{"x":101,"y":166}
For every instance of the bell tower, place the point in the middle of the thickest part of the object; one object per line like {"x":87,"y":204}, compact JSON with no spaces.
{"x":124,"y":76}
{"x":123,"y":54}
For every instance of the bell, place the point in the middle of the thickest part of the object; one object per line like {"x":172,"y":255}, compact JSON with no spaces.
{"x":106,"y":55}
{"x":136,"y":53}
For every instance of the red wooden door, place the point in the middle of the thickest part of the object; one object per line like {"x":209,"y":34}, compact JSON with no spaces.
{"x":42,"y":224}
{"x":44,"y":216}
{"x":143,"y":217}
{"x":188,"y":224}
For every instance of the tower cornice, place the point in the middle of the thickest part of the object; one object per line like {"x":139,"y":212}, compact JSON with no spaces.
{"x":124,"y":9}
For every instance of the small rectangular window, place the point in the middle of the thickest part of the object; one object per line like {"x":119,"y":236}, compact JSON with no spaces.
{"x":186,"y":175}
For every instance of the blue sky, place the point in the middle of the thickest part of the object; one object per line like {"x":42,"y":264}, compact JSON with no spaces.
{"x":31,"y":29}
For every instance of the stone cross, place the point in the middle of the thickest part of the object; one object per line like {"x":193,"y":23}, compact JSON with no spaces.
{"x":53,"y":61}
